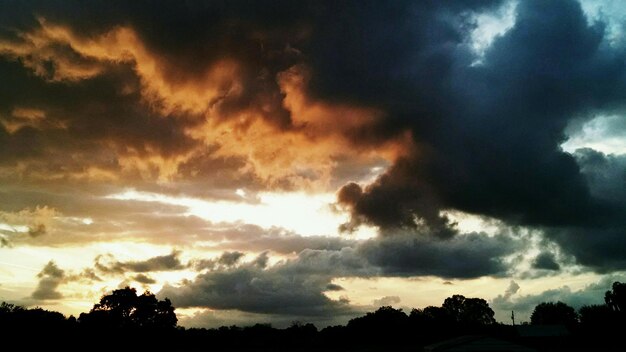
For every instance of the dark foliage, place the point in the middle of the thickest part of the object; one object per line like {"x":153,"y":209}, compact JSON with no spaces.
{"x":124,"y":309}
{"x":557,"y":313}
{"x":616,"y":298}
{"x":124,"y":320}
{"x":385,"y":324}
{"x":469,"y":311}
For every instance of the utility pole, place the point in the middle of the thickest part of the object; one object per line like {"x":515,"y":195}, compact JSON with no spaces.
{"x":513,"y":317}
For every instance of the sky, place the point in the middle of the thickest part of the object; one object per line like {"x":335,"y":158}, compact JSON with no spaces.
{"x":280,"y":161}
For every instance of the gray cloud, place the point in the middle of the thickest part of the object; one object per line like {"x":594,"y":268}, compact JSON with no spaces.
{"x":386,"y":301}
{"x":37,"y":230}
{"x":463,"y":256}
{"x":296,"y":286}
{"x":605,"y":174}
{"x":546,"y":261}
{"x":293,"y":287}
{"x":600,"y":246}
{"x":108,"y":264}
{"x":254,"y":238}
{"x":226,"y":259}
{"x":511,"y":290}
{"x":87,"y":274}
{"x":50,"y":278}
{"x":230,"y":258}
{"x":480,"y":138}
{"x":488,"y":136}
{"x":144,"y":279}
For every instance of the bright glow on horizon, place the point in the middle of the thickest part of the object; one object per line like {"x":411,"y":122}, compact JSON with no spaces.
{"x":16,"y":228}
{"x":305,"y":214}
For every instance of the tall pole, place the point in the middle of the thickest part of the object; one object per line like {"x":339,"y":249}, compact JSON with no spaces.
{"x":513,"y":317}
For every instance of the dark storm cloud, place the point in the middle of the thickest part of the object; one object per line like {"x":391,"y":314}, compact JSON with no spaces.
{"x":464,"y":256}
{"x":296,"y":286}
{"x":256,"y":34}
{"x":605,"y":174}
{"x":92,"y":111}
{"x":494,"y":147}
{"x":485,"y":137}
{"x":100,"y":113}
{"x":170,"y":262}
{"x":289,"y":288}
{"x":599,"y":247}
{"x":545,"y":260}
{"x":488,"y":136}
{"x":118,"y":92}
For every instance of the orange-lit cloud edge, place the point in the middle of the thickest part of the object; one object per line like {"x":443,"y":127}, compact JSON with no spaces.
{"x":302,"y":156}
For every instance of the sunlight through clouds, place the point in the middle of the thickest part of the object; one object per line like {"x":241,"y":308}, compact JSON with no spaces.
{"x":334,"y":155}
{"x":489,"y":26}
{"x":305,"y":214}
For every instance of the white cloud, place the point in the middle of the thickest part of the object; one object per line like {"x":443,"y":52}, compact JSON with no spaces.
{"x":604,"y":133}
{"x":490,"y":25}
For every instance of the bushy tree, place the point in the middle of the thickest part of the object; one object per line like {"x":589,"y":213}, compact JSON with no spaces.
{"x":616,"y":298}
{"x":124,"y":309}
{"x":471,"y":311}
{"x":431,"y":315}
{"x":386,"y":322}
{"x":595,"y":315}
{"x":550,"y":313}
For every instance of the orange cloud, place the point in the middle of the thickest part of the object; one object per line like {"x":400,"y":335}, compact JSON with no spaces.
{"x":76,"y":58}
{"x":22,"y":117}
{"x":304,"y":152}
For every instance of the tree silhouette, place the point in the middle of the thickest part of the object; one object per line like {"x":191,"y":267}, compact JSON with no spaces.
{"x":124,"y":309}
{"x":431,"y":315}
{"x":550,"y":313}
{"x":471,"y":311}
{"x":595,"y":315}
{"x":616,"y":298}
{"x":134,"y":319}
{"x":385,"y":324}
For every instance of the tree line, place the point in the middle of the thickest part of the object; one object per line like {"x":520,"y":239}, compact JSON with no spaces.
{"x":125,"y":320}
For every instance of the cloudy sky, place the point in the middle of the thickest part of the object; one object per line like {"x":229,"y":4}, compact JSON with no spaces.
{"x":272,"y":161}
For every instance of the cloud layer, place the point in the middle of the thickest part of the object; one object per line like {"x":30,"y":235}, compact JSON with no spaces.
{"x":388,"y":105}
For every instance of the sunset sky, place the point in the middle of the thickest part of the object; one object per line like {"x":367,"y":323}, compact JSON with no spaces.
{"x":279,"y":161}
